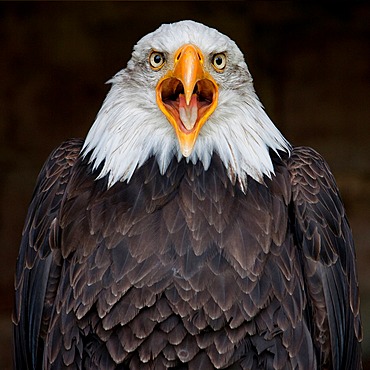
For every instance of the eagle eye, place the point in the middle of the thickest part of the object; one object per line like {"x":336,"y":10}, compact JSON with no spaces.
{"x":156,"y":60}
{"x":219,"y":62}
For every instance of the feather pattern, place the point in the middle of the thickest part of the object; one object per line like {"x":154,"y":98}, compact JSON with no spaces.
{"x":208,"y":274}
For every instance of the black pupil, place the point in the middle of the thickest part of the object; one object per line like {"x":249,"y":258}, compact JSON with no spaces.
{"x":218,"y":60}
{"x":157,"y":59}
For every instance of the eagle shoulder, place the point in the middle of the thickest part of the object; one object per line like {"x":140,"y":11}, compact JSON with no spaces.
{"x":35,"y":272}
{"x":324,"y":237}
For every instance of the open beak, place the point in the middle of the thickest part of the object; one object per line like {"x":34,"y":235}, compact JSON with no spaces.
{"x":187,"y":95}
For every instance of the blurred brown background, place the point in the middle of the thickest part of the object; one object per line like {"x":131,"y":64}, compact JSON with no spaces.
{"x":310,"y":63}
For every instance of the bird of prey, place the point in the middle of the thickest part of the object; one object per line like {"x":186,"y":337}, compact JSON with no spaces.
{"x":184,"y":231}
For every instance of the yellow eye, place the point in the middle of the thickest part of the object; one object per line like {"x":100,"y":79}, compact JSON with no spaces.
{"x":219,"y":62}
{"x":156,"y":60}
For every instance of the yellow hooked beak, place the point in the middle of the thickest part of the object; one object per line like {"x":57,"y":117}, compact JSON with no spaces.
{"x":187,"y":95}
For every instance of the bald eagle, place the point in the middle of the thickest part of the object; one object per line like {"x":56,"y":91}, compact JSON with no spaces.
{"x":185,"y":232}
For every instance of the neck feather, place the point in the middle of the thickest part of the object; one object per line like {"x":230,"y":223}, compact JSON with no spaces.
{"x":128,"y":130}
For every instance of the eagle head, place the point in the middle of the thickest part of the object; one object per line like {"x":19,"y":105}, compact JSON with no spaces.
{"x":186,"y":93}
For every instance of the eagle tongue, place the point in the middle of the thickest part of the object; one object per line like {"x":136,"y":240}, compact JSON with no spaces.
{"x":188,"y":113}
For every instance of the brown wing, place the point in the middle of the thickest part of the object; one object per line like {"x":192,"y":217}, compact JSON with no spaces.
{"x":323,"y":233}
{"x":35,"y":273}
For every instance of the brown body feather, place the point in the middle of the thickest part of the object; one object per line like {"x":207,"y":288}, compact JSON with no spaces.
{"x":185,"y":270}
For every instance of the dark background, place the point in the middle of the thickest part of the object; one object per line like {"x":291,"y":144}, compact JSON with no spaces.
{"x":310,"y":63}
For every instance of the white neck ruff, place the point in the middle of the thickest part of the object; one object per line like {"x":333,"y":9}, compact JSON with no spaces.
{"x":128,"y":130}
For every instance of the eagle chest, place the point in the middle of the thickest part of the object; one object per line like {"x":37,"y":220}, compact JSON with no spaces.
{"x":188,"y":245}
